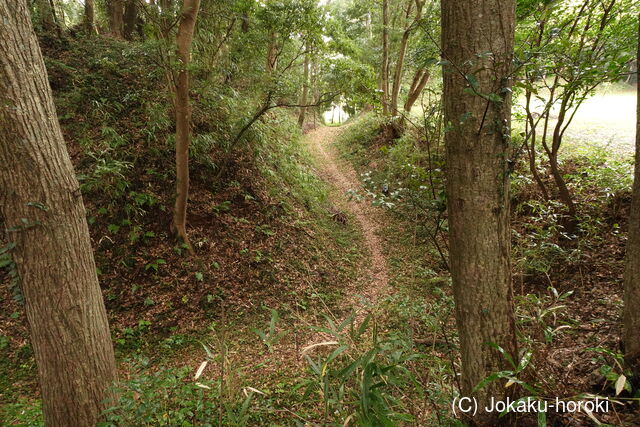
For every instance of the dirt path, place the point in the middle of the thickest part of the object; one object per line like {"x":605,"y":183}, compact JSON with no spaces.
{"x":342,"y":177}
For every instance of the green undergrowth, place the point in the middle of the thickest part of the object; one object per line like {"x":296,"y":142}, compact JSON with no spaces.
{"x":259,"y":220}
{"x":419,"y":307}
{"x":557,"y":278}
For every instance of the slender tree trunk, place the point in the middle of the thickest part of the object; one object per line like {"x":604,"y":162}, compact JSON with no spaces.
{"x":47,"y":16}
{"x":305,"y":90}
{"x":115,"y":9}
{"x":272,"y":53}
{"x":130,"y":18}
{"x":397,"y":77}
{"x":89,"y":20}
{"x":420,"y":80}
{"x":43,"y":213}
{"x":569,"y":223}
{"x":532,"y":123}
{"x":531,"y":146}
{"x":402,"y":50}
{"x":384,"y":79}
{"x":478,"y":190}
{"x":631,"y":316}
{"x":183,"y":118}
{"x":315,"y":91}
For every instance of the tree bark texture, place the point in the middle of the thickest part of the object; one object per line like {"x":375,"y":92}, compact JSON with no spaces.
{"x":115,"y":9}
{"x":305,"y":90}
{"x":477,"y":143}
{"x":89,"y":17}
{"x":130,"y":19}
{"x":420,"y":80}
{"x":402,"y":50}
{"x":183,"y":117}
{"x":384,"y":79}
{"x":44,"y":216}
{"x":272,"y":53}
{"x":631,"y":316}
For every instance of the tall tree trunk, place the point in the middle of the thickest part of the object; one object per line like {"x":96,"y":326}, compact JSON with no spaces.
{"x":384,"y":79}
{"x":89,"y":17}
{"x":420,"y":80}
{"x":130,"y":18}
{"x":568,"y":222}
{"x":532,"y":122}
{"x":115,"y":9}
{"x":43,"y":213}
{"x":631,"y":316}
{"x":397,"y":76}
{"x":478,"y":189}
{"x":305,"y":90}
{"x":272,"y":53}
{"x":315,"y":91}
{"x":531,"y":146}
{"x":183,"y":118}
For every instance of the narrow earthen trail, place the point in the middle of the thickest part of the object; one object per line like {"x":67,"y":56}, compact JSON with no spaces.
{"x":363,"y":294}
{"x":341,"y":176}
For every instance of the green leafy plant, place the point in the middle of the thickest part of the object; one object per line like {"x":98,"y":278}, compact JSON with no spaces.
{"x":356,"y":377}
{"x":222,"y":207}
{"x":510,"y":375}
{"x":160,"y":397}
{"x":108,"y":176}
{"x":265,"y":229}
{"x":133,"y":338}
{"x":543,"y":315}
{"x":612,"y":369}
{"x":154,"y":265}
{"x":23,"y":412}
{"x":6,"y":262}
{"x":270,"y":337}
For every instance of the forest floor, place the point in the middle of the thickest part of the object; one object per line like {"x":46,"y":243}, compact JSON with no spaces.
{"x":568,"y":294}
{"x":245,"y":354}
{"x":343,"y":179}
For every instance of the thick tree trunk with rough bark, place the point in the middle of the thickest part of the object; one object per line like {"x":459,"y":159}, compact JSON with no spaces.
{"x":477,"y":145}
{"x":115,"y":10}
{"x":44,"y":217}
{"x":183,"y":118}
{"x":130,"y":19}
{"x":631,"y":316}
{"x":89,"y":17}
{"x":384,"y":78}
{"x":305,"y":90}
